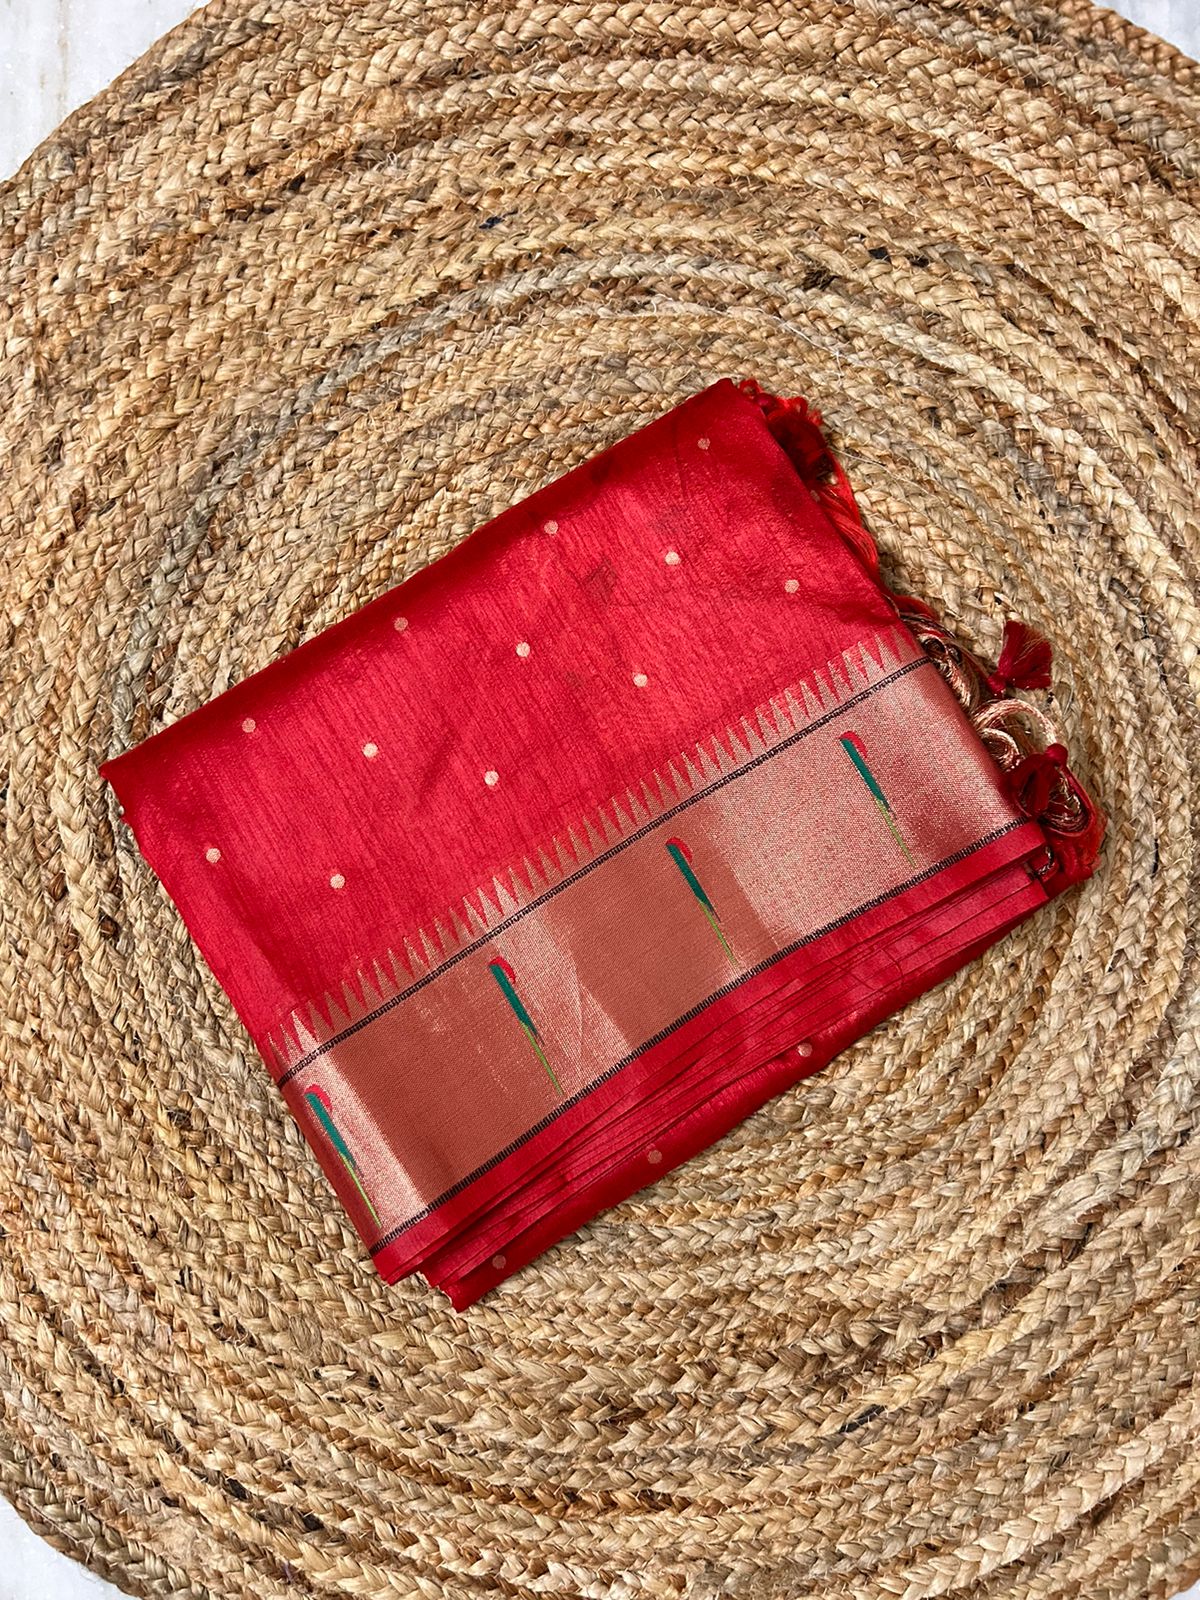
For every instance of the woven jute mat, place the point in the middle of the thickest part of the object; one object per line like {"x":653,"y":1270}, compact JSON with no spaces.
{"x":306,"y":295}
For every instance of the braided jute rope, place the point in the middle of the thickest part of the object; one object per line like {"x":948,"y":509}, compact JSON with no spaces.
{"x":311,"y":291}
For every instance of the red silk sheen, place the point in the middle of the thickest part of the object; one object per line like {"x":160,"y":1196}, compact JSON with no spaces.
{"x":540,"y":872}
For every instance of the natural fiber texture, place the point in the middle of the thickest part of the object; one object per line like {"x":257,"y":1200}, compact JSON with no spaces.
{"x":309,"y":293}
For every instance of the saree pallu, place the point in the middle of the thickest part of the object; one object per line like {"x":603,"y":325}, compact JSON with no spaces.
{"x":539,"y":873}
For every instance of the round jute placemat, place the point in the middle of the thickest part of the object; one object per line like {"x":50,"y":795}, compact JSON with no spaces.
{"x":307,"y":294}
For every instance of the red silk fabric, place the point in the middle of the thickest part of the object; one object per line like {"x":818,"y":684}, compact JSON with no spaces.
{"x":539,"y":873}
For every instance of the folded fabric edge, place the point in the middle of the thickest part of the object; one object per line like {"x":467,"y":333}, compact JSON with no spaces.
{"x":715,"y":1116}
{"x":860,"y":971}
{"x":803,"y":1006}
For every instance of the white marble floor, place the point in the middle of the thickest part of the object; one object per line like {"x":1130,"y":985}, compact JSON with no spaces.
{"x":54,"y":55}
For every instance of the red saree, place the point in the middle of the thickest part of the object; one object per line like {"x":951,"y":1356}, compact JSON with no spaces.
{"x":543,"y":870}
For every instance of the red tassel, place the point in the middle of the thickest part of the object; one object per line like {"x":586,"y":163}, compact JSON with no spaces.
{"x":1024,"y":660}
{"x":797,"y":426}
{"x":1034,"y":783}
{"x":1033,"y":780}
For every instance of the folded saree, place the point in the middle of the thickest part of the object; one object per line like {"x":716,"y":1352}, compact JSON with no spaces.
{"x":536,"y":875}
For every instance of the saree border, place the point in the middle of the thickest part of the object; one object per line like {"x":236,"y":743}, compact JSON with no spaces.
{"x":647,"y":1046}
{"x":709,"y":1119}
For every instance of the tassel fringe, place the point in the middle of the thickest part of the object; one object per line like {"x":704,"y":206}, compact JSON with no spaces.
{"x":798,"y":428}
{"x":1024,"y":660}
{"x":1022,"y":740}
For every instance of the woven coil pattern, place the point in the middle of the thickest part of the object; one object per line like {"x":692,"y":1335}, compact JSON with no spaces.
{"x":311,"y":291}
